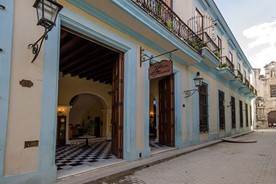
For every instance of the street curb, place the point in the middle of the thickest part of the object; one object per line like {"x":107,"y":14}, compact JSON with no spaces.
{"x":127,"y":168}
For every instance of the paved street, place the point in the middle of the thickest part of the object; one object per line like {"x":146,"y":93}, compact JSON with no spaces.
{"x":223,"y":163}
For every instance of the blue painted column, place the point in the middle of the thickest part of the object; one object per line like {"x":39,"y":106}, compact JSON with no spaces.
{"x":178,"y":95}
{"x":49,"y":105}
{"x":188,"y":111}
{"x":130,"y":100}
{"x":146,"y":152}
{"x":6,"y":37}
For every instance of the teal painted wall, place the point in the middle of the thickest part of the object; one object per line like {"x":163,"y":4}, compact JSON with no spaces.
{"x":6,"y":37}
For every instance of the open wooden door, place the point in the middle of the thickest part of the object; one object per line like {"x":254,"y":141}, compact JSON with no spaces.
{"x":118,"y":108}
{"x":166,"y":111}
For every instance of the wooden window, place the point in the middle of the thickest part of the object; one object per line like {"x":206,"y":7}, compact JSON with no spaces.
{"x":220,"y":46}
{"x":241,"y":114}
{"x":246,"y":115}
{"x":250,"y":115}
{"x":233,"y":112}
{"x":198,"y":23}
{"x":231,"y":57}
{"x":221,"y":110}
{"x":272,"y":90}
{"x":203,"y":108}
{"x":239,"y":66}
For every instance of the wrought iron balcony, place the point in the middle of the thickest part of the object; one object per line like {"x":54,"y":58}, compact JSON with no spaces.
{"x":255,"y":92}
{"x":162,"y":13}
{"x":252,"y":89}
{"x":247,"y":83}
{"x":239,"y":75}
{"x":207,"y":41}
{"x":225,"y":62}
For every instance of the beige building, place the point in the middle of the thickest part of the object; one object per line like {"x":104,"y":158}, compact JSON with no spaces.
{"x":266,"y":101}
{"x":114,"y":82}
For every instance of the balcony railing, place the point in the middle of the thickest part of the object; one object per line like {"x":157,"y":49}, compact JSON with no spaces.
{"x":239,"y":75}
{"x":247,"y":83}
{"x":162,"y":13}
{"x":207,"y":41}
{"x":252,"y":89}
{"x":227,"y":63}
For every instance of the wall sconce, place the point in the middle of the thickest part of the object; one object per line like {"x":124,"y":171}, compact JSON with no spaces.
{"x":61,"y":110}
{"x":198,"y":82}
{"x":47,"y":11}
{"x":151,"y":114}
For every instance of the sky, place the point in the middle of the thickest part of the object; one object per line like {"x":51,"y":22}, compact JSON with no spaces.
{"x":253,"y":23}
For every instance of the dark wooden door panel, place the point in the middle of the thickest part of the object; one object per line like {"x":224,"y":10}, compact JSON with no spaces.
{"x":166,"y":111}
{"x":118,"y":108}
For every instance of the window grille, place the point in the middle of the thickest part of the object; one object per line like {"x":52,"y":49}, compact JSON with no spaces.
{"x":233,"y":112}
{"x":273,"y":91}
{"x":203,"y":108}
{"x":241,"y":114}
{"x":221,"y":111}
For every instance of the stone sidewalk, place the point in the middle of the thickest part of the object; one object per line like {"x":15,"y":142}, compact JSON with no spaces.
{"x":224,"y":163}
{"x":125,"y":168}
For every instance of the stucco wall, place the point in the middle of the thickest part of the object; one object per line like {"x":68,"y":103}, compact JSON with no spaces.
{"x":24,"y":108}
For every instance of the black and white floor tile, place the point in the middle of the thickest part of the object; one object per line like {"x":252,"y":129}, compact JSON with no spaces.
{"x":74,"y":159}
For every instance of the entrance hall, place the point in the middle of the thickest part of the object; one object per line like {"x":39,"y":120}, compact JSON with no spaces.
{"x":90,"y":110}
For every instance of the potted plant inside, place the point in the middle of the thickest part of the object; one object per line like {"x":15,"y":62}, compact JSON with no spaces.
{"x":217,"y":53}
{"x":169,"y":24}
{"x":223,"y":65}
{"x":89,"y":128}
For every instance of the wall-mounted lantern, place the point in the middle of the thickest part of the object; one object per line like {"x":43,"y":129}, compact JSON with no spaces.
{"x":47,"y":11}
{"x":198,"y":82}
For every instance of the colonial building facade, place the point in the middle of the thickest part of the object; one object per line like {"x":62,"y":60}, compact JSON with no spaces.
{"x":118,"y":70}
{"x":266,"y":101}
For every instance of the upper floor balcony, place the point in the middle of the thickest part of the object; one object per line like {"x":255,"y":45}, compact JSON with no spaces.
{"x":208,"y":42}
{"x":162,"y":13}
{"x":226,"y":63}
{"x":239,"y":75}
{"x":247,"y":83}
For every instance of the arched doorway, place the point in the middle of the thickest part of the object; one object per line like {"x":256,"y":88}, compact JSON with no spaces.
{"x":86,"y":117}
{"x":271,"y":117}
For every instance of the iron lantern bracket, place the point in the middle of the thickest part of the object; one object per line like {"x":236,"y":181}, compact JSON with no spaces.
{"x":190,"y":92}
{"x":37,"y":46}
{"x":149,"y":58}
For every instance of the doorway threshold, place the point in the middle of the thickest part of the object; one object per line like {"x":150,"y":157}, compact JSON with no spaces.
{"x":158,"y":148}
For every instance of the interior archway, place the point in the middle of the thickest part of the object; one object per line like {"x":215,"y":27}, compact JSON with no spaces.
{"x":86,"y":116}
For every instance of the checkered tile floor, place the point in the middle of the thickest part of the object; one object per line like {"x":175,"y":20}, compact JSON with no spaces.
{"x":73,"y":159}
{"x":77,"y":155}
